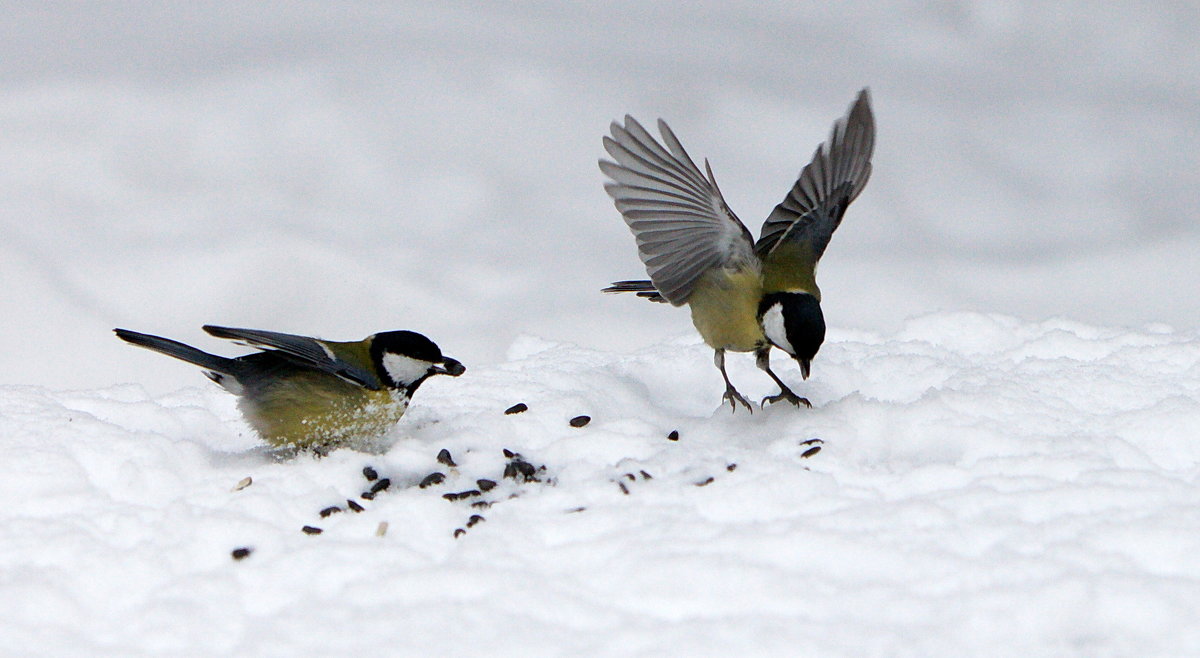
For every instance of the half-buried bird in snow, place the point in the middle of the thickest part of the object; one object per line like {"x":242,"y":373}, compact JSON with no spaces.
{"x":310,"y":393}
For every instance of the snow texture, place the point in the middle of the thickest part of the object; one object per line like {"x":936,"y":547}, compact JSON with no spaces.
{"x":1007,"y":407}
{"x":984,"y":486}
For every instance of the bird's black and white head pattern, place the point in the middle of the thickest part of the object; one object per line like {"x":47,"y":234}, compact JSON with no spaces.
{"x":793,"y":322}
{"x":404,"y":359}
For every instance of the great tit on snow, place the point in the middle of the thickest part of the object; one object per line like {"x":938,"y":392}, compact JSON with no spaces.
{"x":311,"y":393}
{"x":745,"y":296}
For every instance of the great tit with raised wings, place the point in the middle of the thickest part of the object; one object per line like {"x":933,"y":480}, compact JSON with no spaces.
{"x":744,"y":295}
{"x":310,"y":393}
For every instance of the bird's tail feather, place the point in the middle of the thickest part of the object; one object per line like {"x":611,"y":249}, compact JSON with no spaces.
{"x":644,"y":289}
{"x":178,"y":350}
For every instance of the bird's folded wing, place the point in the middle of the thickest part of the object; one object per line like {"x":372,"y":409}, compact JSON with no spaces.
{"x":309,"y":350}
{"x":839,"y":170}
{"x":681,"y":223}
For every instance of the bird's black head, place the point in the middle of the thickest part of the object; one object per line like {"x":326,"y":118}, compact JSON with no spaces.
{"x":404,"y":359}
{"x":793,"y":322}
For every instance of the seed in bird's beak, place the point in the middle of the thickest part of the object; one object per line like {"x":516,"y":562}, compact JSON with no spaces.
{"x":450,"y":367}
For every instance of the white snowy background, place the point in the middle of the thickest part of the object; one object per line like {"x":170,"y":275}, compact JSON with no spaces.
{"x":1009,"y":398}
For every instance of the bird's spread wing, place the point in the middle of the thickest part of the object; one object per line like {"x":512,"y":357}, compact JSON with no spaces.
{"x":814,"y":207}
{"x":309,"y":350}
{"x":681,"y":223}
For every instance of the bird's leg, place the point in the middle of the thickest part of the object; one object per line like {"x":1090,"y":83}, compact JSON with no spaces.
{"x":763,"y":360}
{"x":731,"y":395}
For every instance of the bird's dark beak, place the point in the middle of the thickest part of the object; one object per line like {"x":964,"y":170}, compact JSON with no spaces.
{"x":805,"y":366}
{"x":449,"y":367}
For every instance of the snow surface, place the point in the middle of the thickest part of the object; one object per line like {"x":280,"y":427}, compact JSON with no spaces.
{"x":985,"y":487}
{"x":1008,"y":397}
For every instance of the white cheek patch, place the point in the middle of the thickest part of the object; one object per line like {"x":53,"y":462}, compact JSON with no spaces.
{"x":404,"y":369}
{"x":773,"y":327}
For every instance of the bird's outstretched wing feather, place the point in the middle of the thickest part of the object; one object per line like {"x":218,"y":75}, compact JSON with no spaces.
{"x":814,"y":206}
{"x":309,"y":350}
{"x":681,"y":223}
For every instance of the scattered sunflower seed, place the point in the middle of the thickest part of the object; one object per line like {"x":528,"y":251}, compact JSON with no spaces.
{"x":432,"y":479}
{"x":580,"y":421}
{"x":242,"y":484}
{"x":381,"y":530}
{"x":462,"y":494}
{"x":485,"y":485}
{"x":646,"y":476}
{"x":522,"y":468}
{"x":575,"y":510}
{"x":516,"y":409}
{"x":705,"y":482}
{"x":367,"y":495}
{"x":459,"y":532}
{"x":481,"y":504}
{"x":475,"y":518}
{"x":731,"y":467}
{"x":381,"y":485}
{"x":242,"y":552}
{"x":810,"y":452}
{"x":673,"y":436}
{"x":354,"y":507}
{"x":509,"y":454}
{"x":631,"y":477}
{"x":624,"y":489}
{"x":445,"y":458}
{"x":310,"y":530}
{"x":370,"y":474}
{"x":332,"y":509}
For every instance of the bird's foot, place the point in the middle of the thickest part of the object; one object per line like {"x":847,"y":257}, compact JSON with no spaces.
{"x":786,"y":394}
{"x":734,"y":398}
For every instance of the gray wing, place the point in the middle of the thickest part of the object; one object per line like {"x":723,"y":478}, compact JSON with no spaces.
{"x":681,"y":223}
{"x":839,"y":170}
{"x":310,"y":350}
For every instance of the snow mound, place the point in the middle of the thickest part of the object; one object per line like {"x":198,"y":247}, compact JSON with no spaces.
{"x":983,"y":485}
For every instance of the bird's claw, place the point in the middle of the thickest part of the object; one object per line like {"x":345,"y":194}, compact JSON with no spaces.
{"x":786,"y":395}
{"x":734,"y":398}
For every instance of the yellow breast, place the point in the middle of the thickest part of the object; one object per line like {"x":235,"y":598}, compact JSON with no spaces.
{"x":325,"y":412}
{"x":724,"y":307}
